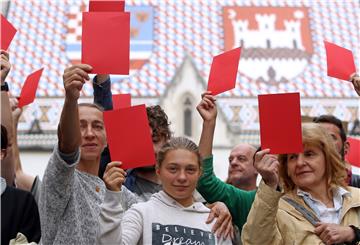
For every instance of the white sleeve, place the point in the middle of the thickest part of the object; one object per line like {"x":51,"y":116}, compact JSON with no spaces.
{"x":132,"y":226}
{"x":111,"y":213}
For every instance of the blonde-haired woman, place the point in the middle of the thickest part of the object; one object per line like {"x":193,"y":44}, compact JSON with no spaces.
{"x":315,"y":206}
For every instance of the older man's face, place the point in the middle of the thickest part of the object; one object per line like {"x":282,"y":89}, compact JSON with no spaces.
{"x":241,"y":166}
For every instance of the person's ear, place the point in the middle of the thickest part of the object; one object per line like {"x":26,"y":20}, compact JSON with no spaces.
{"x":157,"y":170}
{"x":3,"y":154}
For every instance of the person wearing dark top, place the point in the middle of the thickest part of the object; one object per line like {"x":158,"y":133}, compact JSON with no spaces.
{"x":19,"y":212}
{"x":335,"y":128}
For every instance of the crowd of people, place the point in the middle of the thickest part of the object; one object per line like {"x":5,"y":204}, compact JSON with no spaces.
{"x":84,"y":197}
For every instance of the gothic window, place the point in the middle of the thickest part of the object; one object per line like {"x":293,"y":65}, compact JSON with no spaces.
{"x":295,"y":44}
{"x":188,"y":117}
{"x":268,"y":43}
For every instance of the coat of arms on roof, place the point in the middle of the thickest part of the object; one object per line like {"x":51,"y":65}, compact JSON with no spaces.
{"x":276,"y":41}
{"x":141,"y":34}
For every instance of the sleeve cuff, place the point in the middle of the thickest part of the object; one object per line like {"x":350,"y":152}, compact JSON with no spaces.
{"x":112,"y":199}
{"x":268,"y":194}
{"x":103,"y":85}
{"x":70,"y":158}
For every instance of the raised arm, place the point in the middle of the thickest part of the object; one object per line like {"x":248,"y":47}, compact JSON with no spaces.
{"x":262,"y":216}
{"x":209,"y":186}
{"x":69,"y":126}
{"x":117,"y":200}
{"x":208,"y":111}
{"x":7,"y":164}
{"x":23,"y":181}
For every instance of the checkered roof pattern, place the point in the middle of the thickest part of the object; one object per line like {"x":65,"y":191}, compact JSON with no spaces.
{"x":180,"y":27}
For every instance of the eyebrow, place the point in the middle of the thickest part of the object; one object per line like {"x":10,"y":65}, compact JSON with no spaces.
{"x":241,"y":155}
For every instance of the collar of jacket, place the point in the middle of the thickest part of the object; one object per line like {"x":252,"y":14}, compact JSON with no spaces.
{"x":350,"y":201}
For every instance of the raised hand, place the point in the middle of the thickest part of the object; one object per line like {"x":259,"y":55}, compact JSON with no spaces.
{"x":16,"y":111}
{"x":74,"y":78}
{"x":355,"y":80}
{"x":207,"y":107}
{"x":114,"y":176}
{"x":5,"y":65}
{"x":267,"y":166}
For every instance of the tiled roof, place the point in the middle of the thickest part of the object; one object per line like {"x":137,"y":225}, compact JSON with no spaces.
{"x":49,"y":30}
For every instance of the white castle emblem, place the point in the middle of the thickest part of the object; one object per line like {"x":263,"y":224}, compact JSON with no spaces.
{"x":267,"y":36}
{"x":268,"y":49}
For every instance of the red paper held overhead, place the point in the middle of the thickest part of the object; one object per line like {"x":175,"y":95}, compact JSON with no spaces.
{"x":340,"y":61}
{"x":280,"y":123}
{"x":106,"y":42}
{"x":121,"y":101}
{"x":28,"y":91}
{"x":223,"y":71}
{"x":129,"y":137}
{"x":8,"y":32}
{"x":106,"y":6}
{"x":353,"y":156}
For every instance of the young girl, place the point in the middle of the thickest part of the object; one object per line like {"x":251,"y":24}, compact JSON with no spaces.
{"x":171,"y":216}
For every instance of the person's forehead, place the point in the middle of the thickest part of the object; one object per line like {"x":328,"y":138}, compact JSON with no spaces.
{"x":242,"y":149}
{"x":181,"y":156}
{"x":331,"y":128}
{"x":88,"y":113}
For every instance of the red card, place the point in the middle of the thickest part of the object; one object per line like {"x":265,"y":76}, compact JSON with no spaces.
{"x":8,"y":32}
{"x":129,"y":137}
{"x":280,"y":123}
{"x":353,"y":156}
{"x":223,"y":71}
{"x":106,"y":42}
{"x":121,"y":101}
{"x":106,"y":6}
{"x":28,"y":91}
{"x":340,"y":61}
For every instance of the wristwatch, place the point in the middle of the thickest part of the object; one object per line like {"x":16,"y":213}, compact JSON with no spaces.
{"x":4,"y":87}
{"x":356,"y":240}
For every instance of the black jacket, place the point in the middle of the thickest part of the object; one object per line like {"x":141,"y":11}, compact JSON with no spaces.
{"x":19,"y":213}
{"x":355,"y":181}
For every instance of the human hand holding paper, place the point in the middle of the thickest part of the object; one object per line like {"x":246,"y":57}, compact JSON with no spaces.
{"x":355,"y":80}
{"x":5,"y":66}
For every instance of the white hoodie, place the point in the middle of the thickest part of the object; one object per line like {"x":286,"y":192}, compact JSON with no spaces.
{"x":160,"y":221}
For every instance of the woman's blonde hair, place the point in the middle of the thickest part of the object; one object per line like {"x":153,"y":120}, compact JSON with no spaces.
{"x":316,"y":136}
{"x":176,"y":143}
